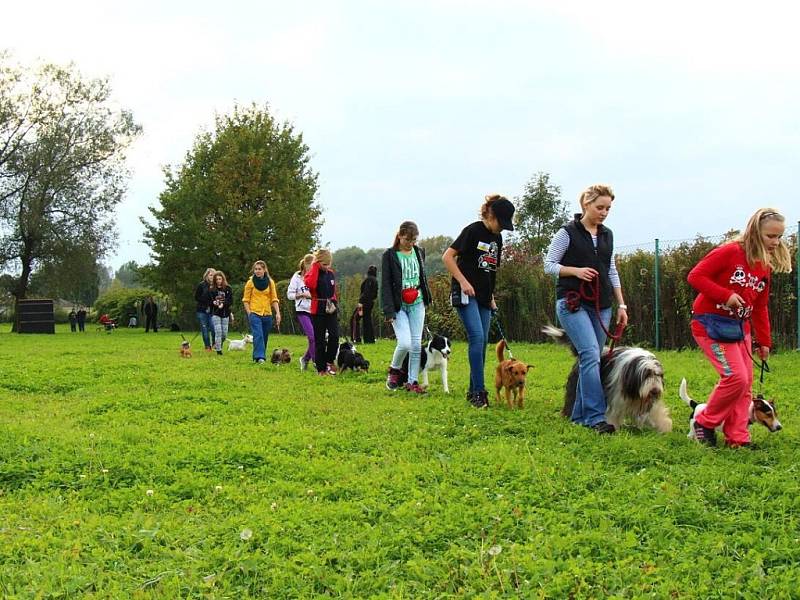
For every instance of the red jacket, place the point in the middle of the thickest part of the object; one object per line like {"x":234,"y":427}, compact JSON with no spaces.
{"x":312,"y":282}
{"x":725,"y":271}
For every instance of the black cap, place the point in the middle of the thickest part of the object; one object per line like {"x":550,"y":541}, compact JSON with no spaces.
{"x":503,"y":210}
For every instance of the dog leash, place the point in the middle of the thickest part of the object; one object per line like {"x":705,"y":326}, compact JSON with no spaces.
{"x":502,"y":333}
{"x":590,"y":291}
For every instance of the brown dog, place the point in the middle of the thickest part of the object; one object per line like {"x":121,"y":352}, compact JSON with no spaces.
{"x":281,"y":356}
{"x":186,"y":350}
{"x":510,"y":374}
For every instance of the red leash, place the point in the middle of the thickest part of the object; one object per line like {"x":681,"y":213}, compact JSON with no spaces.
{"x":590,"y":291}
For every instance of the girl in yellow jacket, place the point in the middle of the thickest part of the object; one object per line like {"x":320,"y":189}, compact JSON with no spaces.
{"x":261,"y":304}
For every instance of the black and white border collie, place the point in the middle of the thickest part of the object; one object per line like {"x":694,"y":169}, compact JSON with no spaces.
{"x":348,"y":357}
{"x":435,"y":354}
{"x":633,"y":381}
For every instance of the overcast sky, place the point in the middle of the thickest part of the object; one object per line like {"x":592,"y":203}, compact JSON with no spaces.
{"x":416,"y":110}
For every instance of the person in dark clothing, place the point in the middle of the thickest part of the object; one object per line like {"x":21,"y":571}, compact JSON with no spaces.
{"x":73,"y":319}
{"x":369,"y":293}
{"x":81,"y":317}
{"x":203,"y":310}
{"x":472,"y":260}
{"x":321,"y":282}
{"x":150,"y":309}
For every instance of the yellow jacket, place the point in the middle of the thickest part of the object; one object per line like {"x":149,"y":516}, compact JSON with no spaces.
{"x":260,"y":302}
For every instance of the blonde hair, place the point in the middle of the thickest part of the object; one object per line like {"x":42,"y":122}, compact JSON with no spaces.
{"x":486,"y":207}
{"x":211,"y":270}
{"x":407,"y":228}
{"x":323,"y":255}
{"x":263,"y":264}
{"x":780,"y":260}
{"x":304,"y":263}
{"x":592,"y":193}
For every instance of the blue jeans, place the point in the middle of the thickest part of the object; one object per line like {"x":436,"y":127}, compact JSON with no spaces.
{"x":206,"y":328}
{"x":476,"y":319}
{"x":587,"y":335}
{"x":260,"y":326}
{"x":408,"y":325}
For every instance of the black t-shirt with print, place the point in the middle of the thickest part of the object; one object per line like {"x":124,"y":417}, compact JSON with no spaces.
{"x":478,"y":258}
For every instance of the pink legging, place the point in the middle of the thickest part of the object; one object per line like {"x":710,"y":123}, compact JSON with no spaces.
{"x":729,"y":402}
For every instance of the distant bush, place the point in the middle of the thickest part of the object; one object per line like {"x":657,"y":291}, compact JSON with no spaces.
{"x":120,"y":303}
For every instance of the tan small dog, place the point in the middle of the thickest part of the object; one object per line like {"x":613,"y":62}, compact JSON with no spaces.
{"x":510,"y":374}
{"x":186,"y":350}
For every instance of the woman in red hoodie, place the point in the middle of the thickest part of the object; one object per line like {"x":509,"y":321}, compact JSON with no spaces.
{"x":321,"y":282}
{"x":733,"y":280}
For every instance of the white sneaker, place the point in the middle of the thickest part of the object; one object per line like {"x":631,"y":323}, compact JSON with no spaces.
{"x":303,"y":363}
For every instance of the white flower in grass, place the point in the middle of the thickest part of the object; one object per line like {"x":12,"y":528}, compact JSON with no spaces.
{"x":309,"y":492}
{"x":217,"y":488}
{"x":274,"y":505}
{"x":149,"y":492}
{"x":91,"y":435}
{"x":495,"y":550}
{"x":245,"y":534}
{"x":104,"y":471}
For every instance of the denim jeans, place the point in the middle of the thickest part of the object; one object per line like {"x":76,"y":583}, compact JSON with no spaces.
{"x":206,"y":328}
{"x":587,"y":335}
{"x":476,"y":319}
{"x":408,"y":325}
{"x":260,"y":326}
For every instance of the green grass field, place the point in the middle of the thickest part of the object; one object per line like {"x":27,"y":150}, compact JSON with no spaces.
{"x":126,"y":471}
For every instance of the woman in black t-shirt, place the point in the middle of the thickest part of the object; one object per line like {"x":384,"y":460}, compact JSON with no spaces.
{"x":472,"y":260}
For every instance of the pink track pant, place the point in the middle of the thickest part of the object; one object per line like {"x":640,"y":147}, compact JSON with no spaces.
{"x":729,"y":402}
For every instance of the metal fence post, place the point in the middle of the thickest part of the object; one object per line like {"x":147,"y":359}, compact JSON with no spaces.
{"x":657,"y":308}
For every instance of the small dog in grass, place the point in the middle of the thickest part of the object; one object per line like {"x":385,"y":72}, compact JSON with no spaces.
{"x":281,"y":356}
{"x":435,"y":355}
{"x":761,"y":411}
{"x":348,"y":357}
{"x":240,"y":344}
{"x":186,"y":349}
{"x":511,"y":375}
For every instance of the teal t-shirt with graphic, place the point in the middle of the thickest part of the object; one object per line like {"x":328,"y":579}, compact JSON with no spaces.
{"x":409,"y":268}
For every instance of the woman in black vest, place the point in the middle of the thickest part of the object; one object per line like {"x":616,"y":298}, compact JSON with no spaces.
{"x":581,"y":255}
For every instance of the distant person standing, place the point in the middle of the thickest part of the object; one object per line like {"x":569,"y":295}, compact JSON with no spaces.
{"x":73,"y":320}
{"x":369,"y":293}
{"x":81,"y":318}
{"x":150,"y":315}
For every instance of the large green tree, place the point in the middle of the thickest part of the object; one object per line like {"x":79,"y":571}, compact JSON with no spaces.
{"x":244,"y":192}
{"x":540,"y":213}
{"x":62,"y":173}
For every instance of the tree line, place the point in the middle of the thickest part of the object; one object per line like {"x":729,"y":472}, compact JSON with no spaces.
{"x":246,"y":190}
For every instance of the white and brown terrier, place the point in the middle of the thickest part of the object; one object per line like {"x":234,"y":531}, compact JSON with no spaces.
{"x":761,"y":411}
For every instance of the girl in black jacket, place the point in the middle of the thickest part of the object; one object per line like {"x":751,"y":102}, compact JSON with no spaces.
{"x":404,"y":296}
{"x":220,"y":299}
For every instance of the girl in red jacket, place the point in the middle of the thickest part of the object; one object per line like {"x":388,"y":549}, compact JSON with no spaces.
{"x":321,"y":282}
{"x":733,"y":281}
